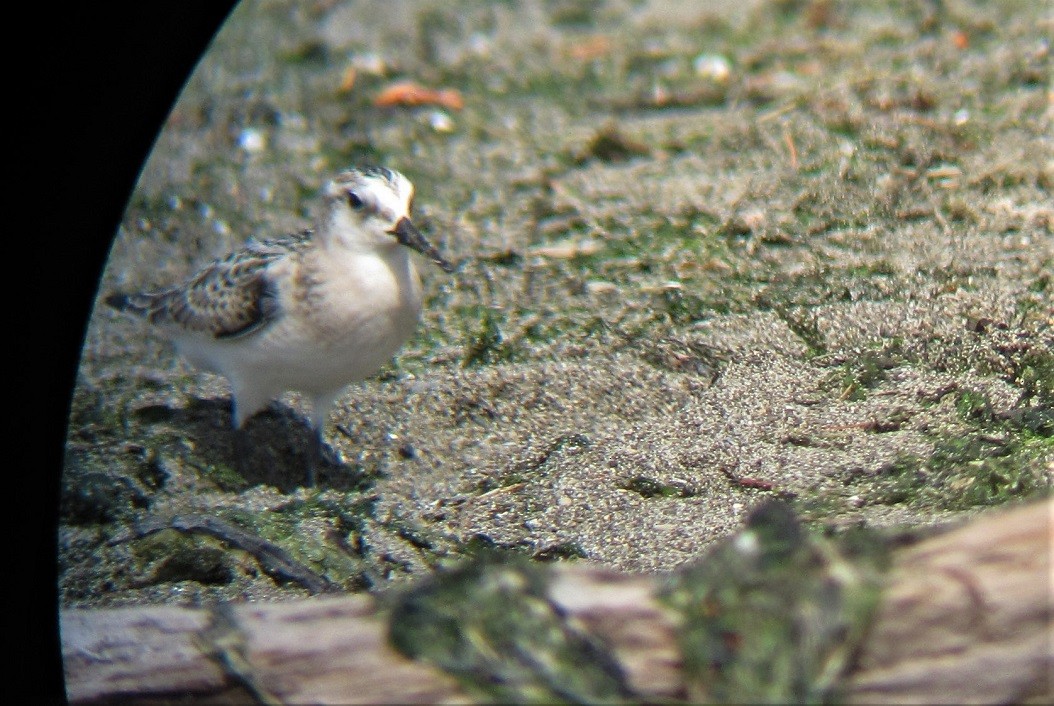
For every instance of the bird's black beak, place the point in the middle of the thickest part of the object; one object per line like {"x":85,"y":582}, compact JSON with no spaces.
{"x":408,"y":235}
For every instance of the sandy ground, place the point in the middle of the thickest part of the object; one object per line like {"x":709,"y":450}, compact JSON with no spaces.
{"x":708,"y":252}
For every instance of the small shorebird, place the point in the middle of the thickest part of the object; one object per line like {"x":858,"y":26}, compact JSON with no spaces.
{"x":311,"y":312}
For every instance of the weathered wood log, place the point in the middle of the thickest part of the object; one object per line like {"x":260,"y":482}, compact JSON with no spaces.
{"x":966,"y":617}
{"x":323,"y":650}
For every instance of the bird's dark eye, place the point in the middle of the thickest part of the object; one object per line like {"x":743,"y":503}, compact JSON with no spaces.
{"x":354,"y":201}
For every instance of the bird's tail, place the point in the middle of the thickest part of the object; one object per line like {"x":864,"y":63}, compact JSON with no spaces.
{"x":138,"y":304}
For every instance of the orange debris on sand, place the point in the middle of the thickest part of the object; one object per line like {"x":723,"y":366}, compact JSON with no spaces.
{"x":408,"y":93}
{"x":590,"y":48}
{"x":347,"y":79}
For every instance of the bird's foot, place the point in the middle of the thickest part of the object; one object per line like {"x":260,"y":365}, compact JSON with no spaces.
{"x":322,"y":456}
{"x":242,"y":451}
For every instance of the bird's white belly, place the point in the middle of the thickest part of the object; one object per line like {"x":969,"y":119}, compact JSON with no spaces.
{"x":348,"y":329}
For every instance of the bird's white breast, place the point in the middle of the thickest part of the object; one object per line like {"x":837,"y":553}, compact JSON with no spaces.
{"x":342,"y":316}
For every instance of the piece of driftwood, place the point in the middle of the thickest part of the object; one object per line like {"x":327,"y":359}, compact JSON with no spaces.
{"x":966,"y":617}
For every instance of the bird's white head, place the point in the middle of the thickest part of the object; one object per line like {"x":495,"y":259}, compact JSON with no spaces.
{"x":369,"y":207}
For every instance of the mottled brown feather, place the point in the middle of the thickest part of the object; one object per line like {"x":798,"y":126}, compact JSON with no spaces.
{"x":227,"y":298}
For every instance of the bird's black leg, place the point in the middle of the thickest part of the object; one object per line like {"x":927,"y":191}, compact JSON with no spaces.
{"x":242,"y":450}
{"x":321,"y":455}
{"x":315,"y":458}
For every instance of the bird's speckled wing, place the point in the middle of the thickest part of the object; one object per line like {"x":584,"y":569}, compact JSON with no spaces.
{"x":228,"y":298}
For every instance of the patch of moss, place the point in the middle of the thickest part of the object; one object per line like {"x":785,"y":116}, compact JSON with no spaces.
{"x":899,"y":482}
{"x":170,"y":556}
{"x":993,"y":481}
{"x":487,"y":344}
{"x":489,"y":623}
{"x":974,"y":407}
{"x":965,"y":472}
{"x":321,"y":532}
{"x":158,"y":545}
{"x":815,"y":507}
{"x":1003,"y":457}
{"x":684,"y":307}
{"x":854,"y":378}
{"x":205,"y":565}
{"x":1033,"y":372}
{"x":775,"y":613}
{"x":1035,"y":421}
{"x":225,"y":477}
{"x":1041,"y":284}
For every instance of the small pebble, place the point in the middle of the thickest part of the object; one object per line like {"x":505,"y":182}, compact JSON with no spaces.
{"x":440,"y":121}
{"x":713,"y":67}
{"x":600,"y":287}
{"x":252,"y":140}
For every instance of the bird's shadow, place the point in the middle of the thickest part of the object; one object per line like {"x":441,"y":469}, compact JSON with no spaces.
{"x":275,"y":449}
